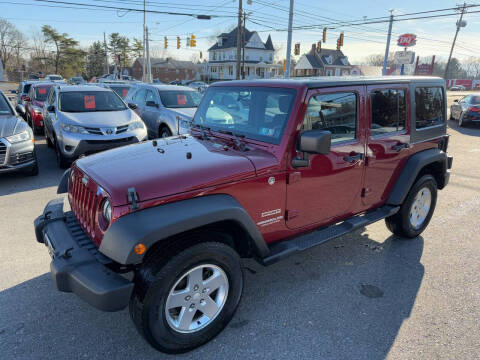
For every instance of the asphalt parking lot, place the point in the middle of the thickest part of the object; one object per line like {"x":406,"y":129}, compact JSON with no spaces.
{"x":367,"y":295}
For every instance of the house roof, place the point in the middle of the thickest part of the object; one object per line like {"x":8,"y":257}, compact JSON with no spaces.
{"x":319,"y":59}
{"x":229,"y":40}
{"x":169,"y":63}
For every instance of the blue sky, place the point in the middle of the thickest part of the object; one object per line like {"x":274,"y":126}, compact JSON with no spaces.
{"x":434,"y":35}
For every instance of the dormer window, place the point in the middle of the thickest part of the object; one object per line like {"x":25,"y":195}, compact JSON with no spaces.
{"x":329,"y":59}
{"x":344,"y":61}
{"x":220,"y":41}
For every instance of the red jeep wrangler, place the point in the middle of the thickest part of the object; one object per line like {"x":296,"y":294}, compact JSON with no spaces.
{"x":270,"y":168}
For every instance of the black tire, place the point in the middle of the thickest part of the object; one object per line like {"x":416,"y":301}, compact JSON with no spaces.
{"x":33,"y":170}
{"x":460,"y":120}
{"x":49,"y":142}
{"x":400,"y":223}
{"x":164,"y":132}
{"x":158,"y":276}
{"x":62,"y":161}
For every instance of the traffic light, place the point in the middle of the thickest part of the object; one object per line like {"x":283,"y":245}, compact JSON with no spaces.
{"x":193,"y":41}
{"x":319,"y":46}
{"x":297,"y":49}
{"x":165,"y":42}
{"x":324,"y":37}
{"x":179,"y":42}
{"x":338,"y":44}
{"x":341,"y":39}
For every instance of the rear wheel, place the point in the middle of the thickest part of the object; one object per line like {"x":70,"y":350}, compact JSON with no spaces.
{"x":183,"y":301}
{"x":164,"y":132}
{"x":417,"y":209}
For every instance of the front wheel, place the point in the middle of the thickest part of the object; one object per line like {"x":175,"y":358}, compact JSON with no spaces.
{"x":62,"y":161}
{"x":417,"y":209}
{"x":164,"y":132}
{"x":181,"y":302}
{"x":460,"y":120}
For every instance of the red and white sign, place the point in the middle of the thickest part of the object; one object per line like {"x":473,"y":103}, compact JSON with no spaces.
{"x":407,"y":40}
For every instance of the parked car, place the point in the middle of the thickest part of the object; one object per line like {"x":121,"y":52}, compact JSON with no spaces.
{"x":165,"y":109}
{"x":161,"y":226}
{"x":17,"y":146}
{"x":466,"y":110}
{"x":23,"y":89}
{"x":54,"y":77}
{"x":200,"y":86}
{"x":81,"y":120}
{"x":458,"y":88}
{"x":34,"y":105}
{"x":76,"y":80}
{"x":120,"y":87}
{"x":175,"y":82}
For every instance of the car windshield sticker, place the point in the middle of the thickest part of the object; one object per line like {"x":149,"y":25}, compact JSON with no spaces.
{"x":42,"y":91}
{"x":267,"y":132}
{"x":89,"y":101}
{"x":181,"y":99}
{"x":124,"y":92}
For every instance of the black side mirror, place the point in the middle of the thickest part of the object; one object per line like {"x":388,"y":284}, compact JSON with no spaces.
{"x":456,"y":100}
{"x":51,"y":108}
{"x":20,"y":109}
{"x":132,"y":106}
{"x":315,"y":142}
{"x":151,"y":103}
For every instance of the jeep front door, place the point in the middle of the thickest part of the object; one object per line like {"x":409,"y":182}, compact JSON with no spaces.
{"x":328,"y":187}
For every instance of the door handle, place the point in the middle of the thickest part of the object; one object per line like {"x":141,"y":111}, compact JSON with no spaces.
{"x":399,"y":147}
{"x":353,"y":157}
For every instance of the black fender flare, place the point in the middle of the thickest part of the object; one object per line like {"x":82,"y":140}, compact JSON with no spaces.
{"x":155,"y":224}
{"x":63,"y":184}
{"x":411,"y":170}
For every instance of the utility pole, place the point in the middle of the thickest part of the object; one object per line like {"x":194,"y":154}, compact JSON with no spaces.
{"x":243,"y":43}
{"x":144,"y":42}
{"x":148,"y":65}
{"x":289,"y":40}
{"x":387,"y":48}
{"x":460,"y":24}
{"x":107,"y":70}
{"x":239,"y":38}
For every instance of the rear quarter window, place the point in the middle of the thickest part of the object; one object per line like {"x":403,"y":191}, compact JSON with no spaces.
{"x":429,"y":107}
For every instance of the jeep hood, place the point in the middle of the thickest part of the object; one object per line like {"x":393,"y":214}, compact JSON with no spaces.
{"x":165,"y":169}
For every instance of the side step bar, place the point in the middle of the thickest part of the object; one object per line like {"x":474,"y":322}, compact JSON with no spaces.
{"x":284,"y":248}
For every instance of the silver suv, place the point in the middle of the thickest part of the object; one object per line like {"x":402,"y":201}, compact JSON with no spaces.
{"x":80,"y":120}
{"x":166,"y":109}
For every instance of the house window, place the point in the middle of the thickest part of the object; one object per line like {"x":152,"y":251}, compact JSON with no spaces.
{"x":329,"y":72}
{"x":261,"y":58}
{"x":270,"y":57}
{"x":337,"y":72}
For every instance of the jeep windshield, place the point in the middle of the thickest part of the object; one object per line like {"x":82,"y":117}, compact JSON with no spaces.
{"x":257,"y":113}
{"x":180,"y":99}
{"x":89,"y":101}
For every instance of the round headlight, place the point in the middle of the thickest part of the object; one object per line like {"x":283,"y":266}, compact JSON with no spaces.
{"x":107,"y":211}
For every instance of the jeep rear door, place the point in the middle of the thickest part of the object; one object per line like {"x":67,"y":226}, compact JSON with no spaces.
{"x":328,"y":188}
{"x":388,"y":140}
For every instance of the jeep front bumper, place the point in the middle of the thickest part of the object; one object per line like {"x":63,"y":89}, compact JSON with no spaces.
{"x":77,"y":266}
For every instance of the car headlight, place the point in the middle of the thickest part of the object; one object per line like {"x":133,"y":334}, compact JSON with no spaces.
{"x":73,"y":129}
{"x":107,"y":211}
{"x":136,"y":125}
{"x":23,"y":136}
{"x":184,"y":124}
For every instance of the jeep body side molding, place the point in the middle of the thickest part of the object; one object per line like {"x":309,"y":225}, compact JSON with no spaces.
{"x":155,"y":224}
{"x":411,"y":170}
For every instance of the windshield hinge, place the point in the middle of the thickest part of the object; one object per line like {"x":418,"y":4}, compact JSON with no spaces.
{"x":132,"y":198}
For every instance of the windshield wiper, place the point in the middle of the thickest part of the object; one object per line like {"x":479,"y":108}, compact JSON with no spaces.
{"x":238,"y":142}
{"x":203,"y":128}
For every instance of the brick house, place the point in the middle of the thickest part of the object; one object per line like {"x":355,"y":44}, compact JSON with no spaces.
{"x":327,"y":62}
{"x":166,"y":70}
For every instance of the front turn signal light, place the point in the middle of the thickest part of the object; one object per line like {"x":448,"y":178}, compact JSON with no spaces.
{"x":139,"y":249}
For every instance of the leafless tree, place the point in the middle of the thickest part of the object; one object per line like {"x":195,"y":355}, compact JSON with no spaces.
{"x":472,"y":67}
{"x":12,"y":42}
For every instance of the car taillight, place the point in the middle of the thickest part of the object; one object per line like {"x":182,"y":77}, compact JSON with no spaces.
{"x":474,"y":109}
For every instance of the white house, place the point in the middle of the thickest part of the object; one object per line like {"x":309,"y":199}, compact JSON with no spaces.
{"x":259,"y":62}
{"x":327,"y":62}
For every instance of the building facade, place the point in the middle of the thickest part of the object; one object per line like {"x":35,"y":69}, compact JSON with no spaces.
{"x":167,"y":70}
{"x":258,"y":57}
{"x":326,"y":62}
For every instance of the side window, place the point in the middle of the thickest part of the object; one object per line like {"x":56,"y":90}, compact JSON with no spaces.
{"x":335,"y":112}
{"x":429,"y":107}
{"x":388,"y":111}
{"x":150,"y":96}
{"x":139,"y":97}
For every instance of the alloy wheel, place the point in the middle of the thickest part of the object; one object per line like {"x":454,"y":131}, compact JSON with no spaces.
{"x":420,"y":207}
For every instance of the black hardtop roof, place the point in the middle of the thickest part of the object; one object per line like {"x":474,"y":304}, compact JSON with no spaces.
{"x":329,"y":81}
